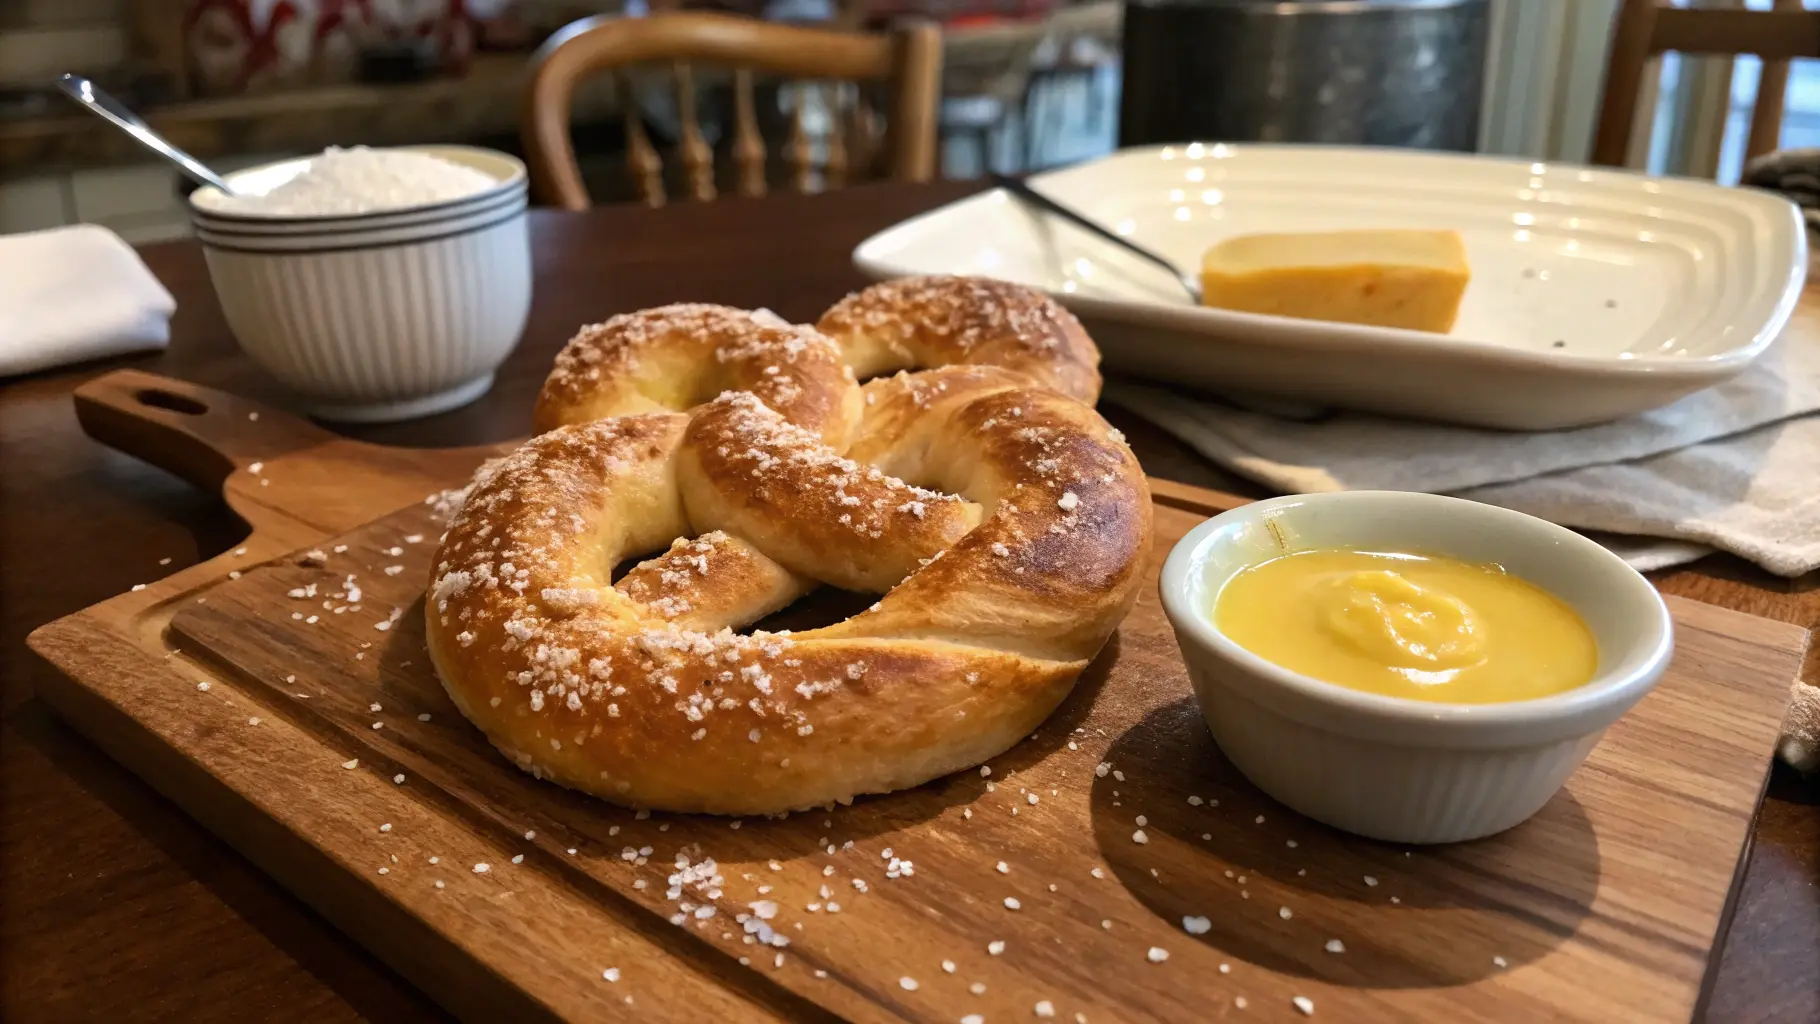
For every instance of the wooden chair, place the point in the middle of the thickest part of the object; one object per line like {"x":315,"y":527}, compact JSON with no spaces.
{"x":907,"y":62}
{"x":1646,"y":29}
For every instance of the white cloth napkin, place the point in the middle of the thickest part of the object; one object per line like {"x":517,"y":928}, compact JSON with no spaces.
{"x":76,"y":293}
{"x":1732,"y":467}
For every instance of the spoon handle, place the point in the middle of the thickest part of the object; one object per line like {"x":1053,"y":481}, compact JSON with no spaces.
{"x":103,"y":105}
{"x":1037,"y":199}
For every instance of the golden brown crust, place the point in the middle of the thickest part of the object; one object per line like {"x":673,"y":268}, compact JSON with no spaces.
{"x":743,"y":469}
{"x":926,"y":322}
{"x":1004,"y":523}
{"x":712,"y":581}
{"x":676,"y":357}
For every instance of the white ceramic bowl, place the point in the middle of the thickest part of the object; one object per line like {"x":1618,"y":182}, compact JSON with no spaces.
{"x":1386,"y":767}
{"x":379,"y":316}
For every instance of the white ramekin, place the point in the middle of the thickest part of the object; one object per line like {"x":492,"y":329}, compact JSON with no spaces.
{"x":1386,"y":767}
{"x":380,"y":316}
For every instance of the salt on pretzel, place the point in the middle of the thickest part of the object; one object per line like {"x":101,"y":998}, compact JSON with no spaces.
{"x":1004,"y":523}
{"x":676,"y":357}
{"x":914,"y":323}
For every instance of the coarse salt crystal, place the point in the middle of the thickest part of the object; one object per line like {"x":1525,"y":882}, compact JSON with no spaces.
{"x":1196,"y":925}
{"x":1304,"y":1004}
{"x":1157,"y":955}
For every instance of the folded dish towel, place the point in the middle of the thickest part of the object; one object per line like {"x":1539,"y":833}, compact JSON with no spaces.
{"x":1730,"y":467}
{"x":76,"y":293}
{"x":1793,"y":172}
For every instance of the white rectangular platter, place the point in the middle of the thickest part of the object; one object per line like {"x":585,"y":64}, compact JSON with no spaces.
{"x":1595,"y":294}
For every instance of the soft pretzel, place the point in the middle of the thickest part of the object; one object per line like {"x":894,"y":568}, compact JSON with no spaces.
{"x":1004,"y":523}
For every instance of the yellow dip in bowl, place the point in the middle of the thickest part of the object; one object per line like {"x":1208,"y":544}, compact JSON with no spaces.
{"x":1421,"y":627}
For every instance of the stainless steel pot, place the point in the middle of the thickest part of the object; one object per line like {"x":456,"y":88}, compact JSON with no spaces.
{"x":1365,"y":72}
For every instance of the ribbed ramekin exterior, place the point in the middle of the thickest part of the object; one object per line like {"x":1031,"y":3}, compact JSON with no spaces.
{"x":400,"y":320}
{"x":1407,"y":794}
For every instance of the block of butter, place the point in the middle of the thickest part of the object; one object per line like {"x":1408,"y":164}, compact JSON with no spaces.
{"x":1400,"y":278}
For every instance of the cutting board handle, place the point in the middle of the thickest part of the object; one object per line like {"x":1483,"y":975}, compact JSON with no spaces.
{"x":197,"y":433}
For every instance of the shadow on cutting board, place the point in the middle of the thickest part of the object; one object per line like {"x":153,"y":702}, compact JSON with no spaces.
{"x":1458,"y":909}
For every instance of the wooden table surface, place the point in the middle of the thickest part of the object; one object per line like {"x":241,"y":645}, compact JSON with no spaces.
{"x":114,"y":906}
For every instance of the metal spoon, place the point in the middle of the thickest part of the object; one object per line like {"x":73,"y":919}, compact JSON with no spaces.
{"x":1189,"y":283}
{"x":102,"y":105}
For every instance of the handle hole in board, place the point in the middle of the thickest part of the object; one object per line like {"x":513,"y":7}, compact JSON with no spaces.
{"x":172,"y":401}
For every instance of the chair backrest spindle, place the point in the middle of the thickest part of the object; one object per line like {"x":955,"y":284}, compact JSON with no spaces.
{"x":642,"y":161}
{"x":820,"y":64}
{"x":697,"y":158}
{"x":748,"y":144}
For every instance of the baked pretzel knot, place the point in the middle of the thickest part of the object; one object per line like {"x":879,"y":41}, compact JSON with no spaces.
{"x":1004,"y":523}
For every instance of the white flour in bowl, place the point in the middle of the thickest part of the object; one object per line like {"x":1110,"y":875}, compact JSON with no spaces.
{"x":340,"y":182}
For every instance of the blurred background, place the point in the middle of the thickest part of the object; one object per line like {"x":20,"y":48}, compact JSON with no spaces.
{"x":1027,"y":84}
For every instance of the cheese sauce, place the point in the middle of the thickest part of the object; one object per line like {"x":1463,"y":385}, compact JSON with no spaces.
{"x":1405,"y":625}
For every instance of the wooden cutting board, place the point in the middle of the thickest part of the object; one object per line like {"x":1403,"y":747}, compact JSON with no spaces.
{"x":323,"y":748}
